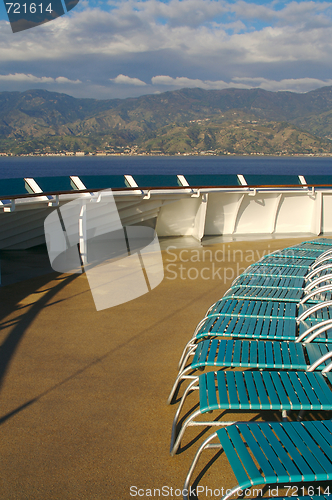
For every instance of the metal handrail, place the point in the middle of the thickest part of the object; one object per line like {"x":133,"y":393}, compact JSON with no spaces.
{"x":298,"y":187}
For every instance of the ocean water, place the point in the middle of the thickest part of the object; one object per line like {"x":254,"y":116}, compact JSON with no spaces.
{"x":15,"y":167}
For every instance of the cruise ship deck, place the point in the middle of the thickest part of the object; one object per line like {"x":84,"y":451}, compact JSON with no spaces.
{"x":83,"y":393}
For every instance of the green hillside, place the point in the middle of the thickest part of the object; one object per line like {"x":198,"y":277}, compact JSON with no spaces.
{"x":237,"y":121}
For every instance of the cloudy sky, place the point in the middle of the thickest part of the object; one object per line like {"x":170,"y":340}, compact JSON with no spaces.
{"x":108,"y":49}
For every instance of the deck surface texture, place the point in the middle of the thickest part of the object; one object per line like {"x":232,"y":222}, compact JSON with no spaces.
{"x":83,"y":393}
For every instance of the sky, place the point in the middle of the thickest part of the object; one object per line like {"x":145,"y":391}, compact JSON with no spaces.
{"x":118,"y":49}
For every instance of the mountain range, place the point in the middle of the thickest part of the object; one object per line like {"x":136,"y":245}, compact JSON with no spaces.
{"x":187,"y":120}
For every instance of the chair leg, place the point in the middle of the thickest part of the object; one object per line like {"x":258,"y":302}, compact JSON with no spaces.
{"x":206,"y":445}
{"x":284,"y":414}
{"x":182,"y":375}
{"x":192,"y":341}
{"x":186,"y":350}
{"x":175,"y":443}
{"x":300,"y":415}
{"x":191,"y":352}
{"x":191,"y":387}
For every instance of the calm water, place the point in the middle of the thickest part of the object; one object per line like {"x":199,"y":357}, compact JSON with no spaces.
{"x":55,"y":166}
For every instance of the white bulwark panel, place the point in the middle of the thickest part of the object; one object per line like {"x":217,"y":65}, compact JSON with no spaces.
{"x":179,"y":210}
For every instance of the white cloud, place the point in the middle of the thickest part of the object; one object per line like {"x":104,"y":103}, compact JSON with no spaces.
{"x":21,"y":77}
{"x":147,"y":27}
{"x":126,"y":80}
{"x":290,"y":84}
{"x":183,"y":82}
{"x":180,"y":82}
{"x":63,"y":79}
{"x":209,"y":42}
{"x":173,"y":12}
{"x":28,"y":78}
{"x":246,"y":10}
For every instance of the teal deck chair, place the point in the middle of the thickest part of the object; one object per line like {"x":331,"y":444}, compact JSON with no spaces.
{"x":259,"y":274}
{"x":286,"y":453}
{"x":262,"y":320}
{"x":259,"y":354}
{"x":275,"y":271}
{"x":306,"y":247}
{"x":256,"y":307}
{"x":280,"y":293}
{"x":287,"y":261}
{"x":300,"y":253}
{"x":253,"y":391}
{"x":262,"y":280}
{"x":304,"y":250}
{"x":327,"y":242}
{"x":284,"y":287}
{"x":297,"y":257}
{"x":319,"y":271}
{"x":285,"y":277}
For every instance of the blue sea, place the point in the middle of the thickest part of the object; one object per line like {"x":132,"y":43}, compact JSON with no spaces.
{"x":15,"y":167}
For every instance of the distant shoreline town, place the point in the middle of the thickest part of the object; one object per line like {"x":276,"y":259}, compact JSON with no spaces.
{"x":159,"y":153}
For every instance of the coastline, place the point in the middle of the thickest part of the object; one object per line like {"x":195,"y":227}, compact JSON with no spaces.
{"x":177,"y":155}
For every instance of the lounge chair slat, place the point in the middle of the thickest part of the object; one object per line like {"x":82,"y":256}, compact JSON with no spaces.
{"x":197,"y":357}
{"x":203,"y":397}
{"x":298,"y":445}
{"x":291,"y":392}
{"x":297,"y":355}
{"x":280,"y":390}
{"x":255,"y":308}
{"x":321,"y":381}
{"x":328,"y":375}
{"x":210,"y":359}
{"x":266,"y":331}
{"x":222,"y":351}
{"x":309,"y":383}
{"x":322,"y":436}
{"x":245,"y":353}
{"x":284,"y":441}
{"x":261,"y":391}
{"x":204,"y":350}
{"x":285,"y":353}
{"x":268,"y":353}
{"x":277,"y":455}
{"x":258,"y":447}
{"x":261,"y":354}
{"x":223,"y":393}
{"x":303,"y":396}
{"x":229,"y":353}
{"x":230,"y":443}
{"x":251,"y":387}
{"x":232,"y":389}
{"x":277,"y":348}
{"x":254,"y":352}
{"x":315,"y":351}
{"x":316,"y":461}
{"x":211,"y":391}
{"x":243,"y":401}
{"x":236,"y":353}
{"x":275,"y":403}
